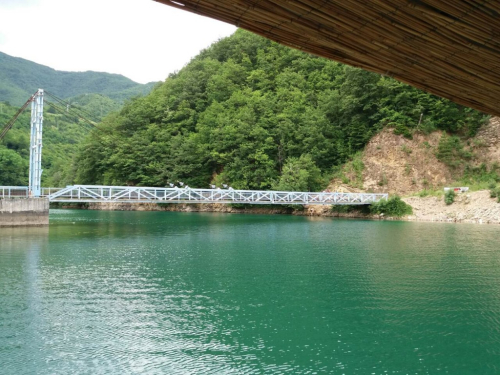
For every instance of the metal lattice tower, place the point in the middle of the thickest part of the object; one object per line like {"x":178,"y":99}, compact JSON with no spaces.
{"x":35,"y":172}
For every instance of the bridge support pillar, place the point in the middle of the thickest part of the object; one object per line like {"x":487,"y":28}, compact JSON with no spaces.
{"x":16,"y":212}
{"x":35,"y":175}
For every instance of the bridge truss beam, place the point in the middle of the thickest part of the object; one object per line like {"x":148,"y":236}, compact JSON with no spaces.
{"x":133,"y":194}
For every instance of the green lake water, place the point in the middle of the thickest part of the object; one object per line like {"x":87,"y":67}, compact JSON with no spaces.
{"x":190,"y":293}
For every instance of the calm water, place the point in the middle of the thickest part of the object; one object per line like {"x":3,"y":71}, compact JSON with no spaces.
{"x":180,"y":293}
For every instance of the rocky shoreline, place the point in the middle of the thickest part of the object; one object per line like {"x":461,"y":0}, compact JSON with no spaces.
{"x":474,"y":207}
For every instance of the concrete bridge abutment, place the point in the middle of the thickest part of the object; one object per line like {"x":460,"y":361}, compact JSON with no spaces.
{"x":16,"y":212}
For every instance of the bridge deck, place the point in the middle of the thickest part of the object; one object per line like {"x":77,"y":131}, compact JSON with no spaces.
{"x":133,"y":194}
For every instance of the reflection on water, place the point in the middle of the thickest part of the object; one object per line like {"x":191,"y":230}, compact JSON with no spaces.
{"x":181,"y":293}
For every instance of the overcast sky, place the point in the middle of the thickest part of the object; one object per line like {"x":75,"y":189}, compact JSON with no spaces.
{"x":141,"y":39}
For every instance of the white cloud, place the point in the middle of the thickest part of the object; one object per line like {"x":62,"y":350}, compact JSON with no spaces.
{"x":141,"y":39}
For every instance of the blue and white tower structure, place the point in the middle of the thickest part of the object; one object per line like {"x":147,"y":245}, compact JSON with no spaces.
{"x":35,"y":172}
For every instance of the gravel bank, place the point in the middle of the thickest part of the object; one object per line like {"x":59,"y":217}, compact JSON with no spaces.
{"x":473,"y":207}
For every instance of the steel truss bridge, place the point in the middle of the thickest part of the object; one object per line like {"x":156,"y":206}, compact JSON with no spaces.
{"x":134,"y":194}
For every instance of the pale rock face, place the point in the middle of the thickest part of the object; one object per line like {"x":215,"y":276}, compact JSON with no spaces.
{"x":487,"y":142}
{"x":396,"y":165}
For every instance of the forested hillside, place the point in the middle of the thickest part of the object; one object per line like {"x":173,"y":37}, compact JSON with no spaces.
{"x":20,"y":78}
{"x":255,"y":114}
{"x":63,"y":132}
{"x":96,"y":94}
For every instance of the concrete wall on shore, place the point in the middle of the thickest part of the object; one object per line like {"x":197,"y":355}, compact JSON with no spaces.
{"x":24,"y":212}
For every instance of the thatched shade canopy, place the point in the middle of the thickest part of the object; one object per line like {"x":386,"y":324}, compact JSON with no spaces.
{"x":449,"y":48}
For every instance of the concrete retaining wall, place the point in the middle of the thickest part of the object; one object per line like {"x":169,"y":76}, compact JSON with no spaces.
{"x":24,"y":212}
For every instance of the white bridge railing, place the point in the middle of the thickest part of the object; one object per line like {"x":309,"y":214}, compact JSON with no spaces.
{"x":23,"y":191}
{"x":129,"y":194}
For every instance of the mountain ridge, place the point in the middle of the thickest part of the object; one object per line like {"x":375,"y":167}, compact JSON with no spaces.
{"x":20,"y":78}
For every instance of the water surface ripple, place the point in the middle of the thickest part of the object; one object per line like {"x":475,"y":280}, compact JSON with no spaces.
{"x":181,"y":293}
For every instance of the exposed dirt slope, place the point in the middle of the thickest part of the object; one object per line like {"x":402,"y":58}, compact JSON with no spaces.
{"x":397,"y":165}
{"x":487,"y":142}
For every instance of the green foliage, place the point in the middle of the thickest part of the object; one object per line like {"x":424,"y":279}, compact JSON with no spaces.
{"x":479,"y":177}
{"x":401,"y":129}
{"x":342,"y":208}
{"x":63,"y":132}
{"x":354,"y":169}
{"x":383,"y":180}
{"x":451,"y":151}
{"x":71,"y":205}
{"x":394,"y":206}
{"x":406,"y":149}
{"x":449,"y":197}
{"x":408,"y":169}
{"x":255,"y":114}
{"x":300,"y":174}
{"x":246,"y":111}
{"x":494,"y":191}
{"x":358,"y":165}
{"x":347,"y":208}
{"x":14,"y":169}
{"x":94,"y":107}
{"x":427,"y":192}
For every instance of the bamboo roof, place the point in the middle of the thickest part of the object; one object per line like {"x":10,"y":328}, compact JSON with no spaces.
{"x":450,"y":48}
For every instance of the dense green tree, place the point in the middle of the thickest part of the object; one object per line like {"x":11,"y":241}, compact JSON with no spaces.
{"x":300,"y":174}
{"x":63,"y":133}
{"x":14,"y":169}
